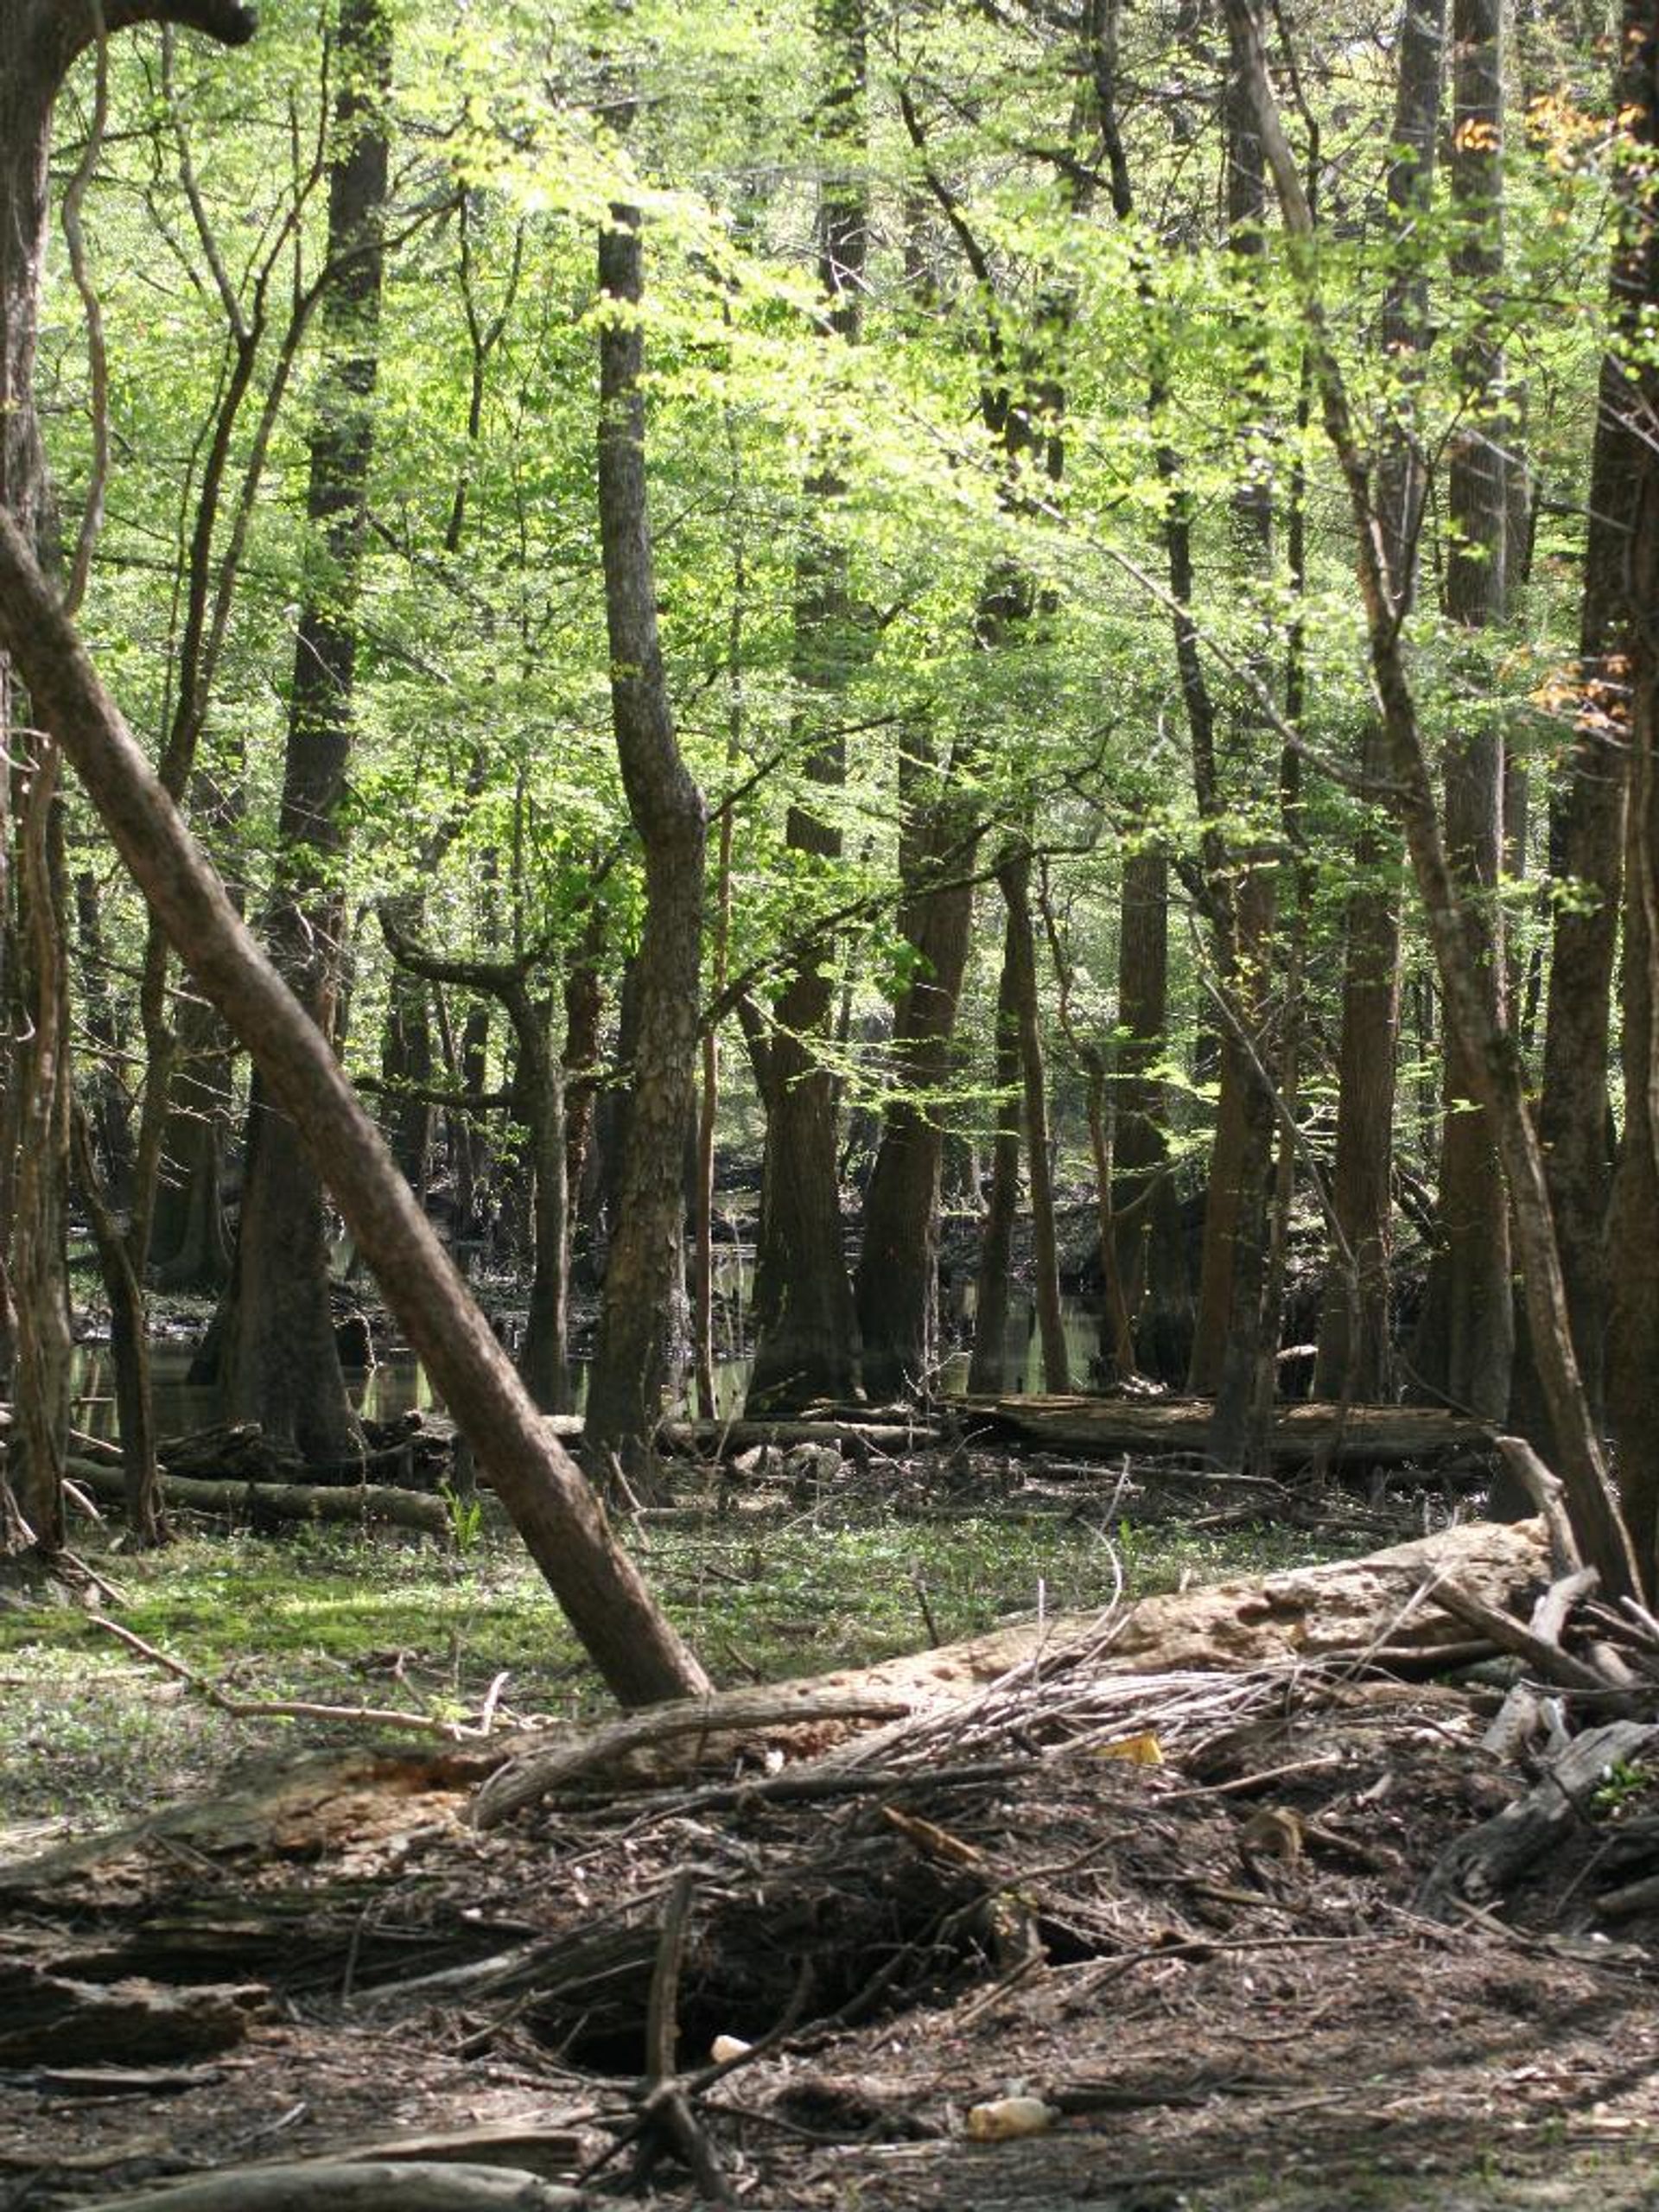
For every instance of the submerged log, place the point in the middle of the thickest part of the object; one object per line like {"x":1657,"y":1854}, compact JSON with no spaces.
{"x":1370,"y":1436}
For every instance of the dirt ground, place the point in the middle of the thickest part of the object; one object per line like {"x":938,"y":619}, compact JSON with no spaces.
{"x":1187,"y":1918}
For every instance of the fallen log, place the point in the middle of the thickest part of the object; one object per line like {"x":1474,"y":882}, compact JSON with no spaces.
{"x":1369,"y":1436}
{"x":1350,"y":1609}
{"x":361,"y":1502}
{"x":51,"y":2020}
{"x":341,"y":2185}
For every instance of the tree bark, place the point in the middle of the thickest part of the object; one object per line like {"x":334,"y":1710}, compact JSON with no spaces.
{"x":1355,"y":1358}
{"x":1630,"y":391}
{"x":1465,"y":1342}
{"x":634,"y":1647}
{"x":277,"y":1361}
{"x":808,"y":1347}
{"x":643,"y":1276}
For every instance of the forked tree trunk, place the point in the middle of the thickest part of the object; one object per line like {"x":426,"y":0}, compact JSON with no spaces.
{"x":634,"y":1647}
{"x":643,"y":1279}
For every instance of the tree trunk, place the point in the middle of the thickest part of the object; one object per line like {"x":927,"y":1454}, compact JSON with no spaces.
{"x":277,"y":1362}
{"x":1014,"y":876}
{"x":635,"y":1649}
{"x":1630,"y":394}
{"x":988,"y":1367}
{"x":1235,"y":1334}
{"x":39,"y":41}
{"x":644,"y":1275}
{"x":189,"y":1240}
{"x":1465,"y":1342}
{"x":1152,"y":1257}
{"x":897,"y":1280}
{"x":808,"y":1346}
{"x":1587,"y":835}
{"x":1355,"y":1358}
{"x":1491,"y":1050}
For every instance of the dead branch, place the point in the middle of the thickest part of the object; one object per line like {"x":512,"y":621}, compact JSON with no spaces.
{"x":337,"y":2185}
{"x":535,"y":1774}
{"x":366,"y":1716}
{"x":1546,"y":1659}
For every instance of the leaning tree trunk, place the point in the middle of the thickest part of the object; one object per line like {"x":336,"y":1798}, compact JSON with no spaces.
{"x":642,"y":1277}
{"x":634,"y":1647}
{"x":277,"y":1362}
{"x":39,"y":41}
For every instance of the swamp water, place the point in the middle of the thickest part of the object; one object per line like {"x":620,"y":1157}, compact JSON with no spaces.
{"x":397,"y":1385}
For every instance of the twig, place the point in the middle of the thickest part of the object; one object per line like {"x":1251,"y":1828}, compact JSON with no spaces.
{"x":285,"y":1708}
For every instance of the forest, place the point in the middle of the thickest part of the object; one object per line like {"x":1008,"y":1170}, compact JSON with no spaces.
{"x":818,"y":726}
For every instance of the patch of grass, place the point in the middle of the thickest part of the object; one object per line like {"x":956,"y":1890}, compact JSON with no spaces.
{"x":89,"y":1731}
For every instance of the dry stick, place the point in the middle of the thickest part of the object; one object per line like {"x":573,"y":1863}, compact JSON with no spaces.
{"x":286,"y":1708}
{"x":538,"y":1773}
{"x":1546,"y":1659}
{"x":1548,"y":1494}
{"x":666,"y":2103}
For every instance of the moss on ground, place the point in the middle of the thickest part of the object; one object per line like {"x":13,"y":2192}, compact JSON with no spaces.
{"x":90,"y":1732}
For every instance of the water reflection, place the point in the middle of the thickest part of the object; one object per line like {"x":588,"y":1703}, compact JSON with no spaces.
{"x":399,"y":1384}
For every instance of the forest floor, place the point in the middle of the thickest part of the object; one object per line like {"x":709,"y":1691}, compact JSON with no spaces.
{"x":1193,"y":1914}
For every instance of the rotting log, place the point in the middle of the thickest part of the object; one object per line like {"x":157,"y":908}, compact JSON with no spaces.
{"x":362,"y":1502}
{"x":1366,"y":1435}
{"x":51,"y":2017}
{"x":340,"y":2185}
{"x":1489,"y":1859}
